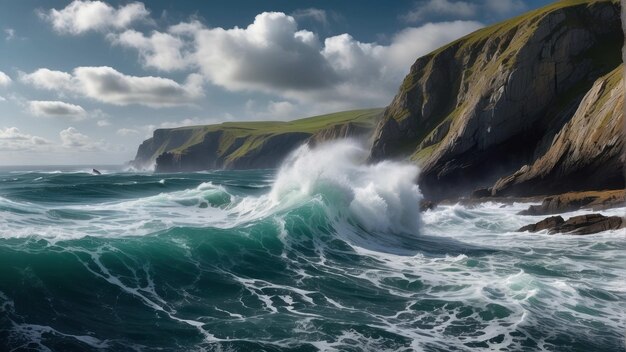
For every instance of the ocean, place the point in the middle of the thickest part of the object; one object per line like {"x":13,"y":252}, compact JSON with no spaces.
{"x":327,"y":253}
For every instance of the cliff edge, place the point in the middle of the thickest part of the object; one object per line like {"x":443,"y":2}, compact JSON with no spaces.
{"x":485,"y":105}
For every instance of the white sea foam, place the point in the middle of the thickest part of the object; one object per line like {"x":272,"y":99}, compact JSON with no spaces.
{"x":382,"y":196}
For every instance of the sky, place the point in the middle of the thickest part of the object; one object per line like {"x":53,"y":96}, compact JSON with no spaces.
{"x":85,"y":82}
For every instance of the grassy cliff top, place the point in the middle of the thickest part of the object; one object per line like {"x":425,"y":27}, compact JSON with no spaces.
{"x":233,"y":130}
{"x":526,"y":19}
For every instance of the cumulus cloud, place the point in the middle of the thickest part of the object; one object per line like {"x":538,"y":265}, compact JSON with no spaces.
{"x":272,"y":55}
{"x":82,"y":16}
{"x":56,"y":109}
{"x":103,"y":123}
{"x":5,"y":80}
{"x":9,"y":33}
{"x":107,"y":85}
{"x":71,"y":138}
{"x":162,"y":51}
{"x":12,"y":139}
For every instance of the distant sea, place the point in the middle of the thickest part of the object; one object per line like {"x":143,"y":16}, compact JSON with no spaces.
{"x":326,"y":253}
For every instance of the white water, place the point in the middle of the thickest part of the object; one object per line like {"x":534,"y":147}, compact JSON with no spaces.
{"x":476,"y":261}
{"x":382,"y":197}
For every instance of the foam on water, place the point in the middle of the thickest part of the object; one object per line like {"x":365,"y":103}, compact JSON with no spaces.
{"x":330,"y":253}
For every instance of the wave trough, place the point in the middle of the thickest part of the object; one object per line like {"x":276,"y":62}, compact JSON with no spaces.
{"x":327,"y":253}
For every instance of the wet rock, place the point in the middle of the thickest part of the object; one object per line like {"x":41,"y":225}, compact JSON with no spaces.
{"x":577,"y":200}
{"x":545,"y":224}
{"x":589,"y":224}
{"x":481,"y":193}
{"x":427,"y":205}
{"x":578,"y":225}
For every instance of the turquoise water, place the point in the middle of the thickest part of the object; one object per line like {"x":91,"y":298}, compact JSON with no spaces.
{"x":325,"y":254}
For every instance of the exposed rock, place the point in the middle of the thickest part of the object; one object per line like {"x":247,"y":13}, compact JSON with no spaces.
{"x":427,"y":205}
{"x":481,"y":193}
{"x":577,"y":225}
{"x":578,"y":200}
{"x":491,"y":102}
{"x":246,"y":145}
{"x":588,"y":224}
{"x":587,"y":154}
{"x":545,"y":224}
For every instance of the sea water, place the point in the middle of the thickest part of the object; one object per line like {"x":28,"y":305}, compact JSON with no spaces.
{"x":326,"y":253}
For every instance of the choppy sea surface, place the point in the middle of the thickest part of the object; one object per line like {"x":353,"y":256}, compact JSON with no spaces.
{"x":325,"y":254}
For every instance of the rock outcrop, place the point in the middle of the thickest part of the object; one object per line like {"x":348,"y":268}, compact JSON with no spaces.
{"x":545,"y":224}
{"x":246,"y":145}
{"x":485,"y":105}
{"x":578,"y":200}
{"x":588,"y":152}
{"x":577,"y":225}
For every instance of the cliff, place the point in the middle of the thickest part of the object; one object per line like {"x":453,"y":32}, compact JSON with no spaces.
{"x":483,"y":106}
{"x":245,"y":145}
{"x":588,"y":152}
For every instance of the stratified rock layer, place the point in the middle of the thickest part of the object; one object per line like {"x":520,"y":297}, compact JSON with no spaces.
{"x":489,"y":103}
{"x":246,"y":145}
{"x":577,"y":225}
{"x":588,"y":152}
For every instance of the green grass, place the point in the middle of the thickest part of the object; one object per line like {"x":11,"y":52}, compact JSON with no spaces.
{"x":256,"y":132}
{"x":510,"y":36}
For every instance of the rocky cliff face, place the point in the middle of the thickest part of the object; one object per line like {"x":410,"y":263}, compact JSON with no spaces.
{"x":246,"y":145}
{"x":487,"y":104}
{"x":588,"y":152}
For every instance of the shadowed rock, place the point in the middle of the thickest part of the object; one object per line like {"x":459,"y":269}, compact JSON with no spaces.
{"x":578,"y":225}
{"x":545,"y":224}
{"x":577,"y":200}
{"x":510,"y":90}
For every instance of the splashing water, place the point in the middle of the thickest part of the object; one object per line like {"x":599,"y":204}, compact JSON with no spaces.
{"x":327,"y":253}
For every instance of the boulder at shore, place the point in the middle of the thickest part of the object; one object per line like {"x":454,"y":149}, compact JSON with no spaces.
{"x":577,"y":225}
{"x":573,"y":201}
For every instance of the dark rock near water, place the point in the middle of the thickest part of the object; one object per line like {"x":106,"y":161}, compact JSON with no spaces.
{"x":481,"y":193}
{"x":427,"y":205}
{"x":545,"y":224}
{"x":577,"y":225}
{"x":578,"y":200}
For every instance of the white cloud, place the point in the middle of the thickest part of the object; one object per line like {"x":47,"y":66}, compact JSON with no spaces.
{"x":107,"y":85}
{"x":9,"y":33}
{"x":5,"y":80}
{"x":71,"y":138}
{"x":103,"y":123}
{"x":44,"y":78}
{"x":273,"y":110}
{"x":446,"y":8}
{"x":56,"y":109}
{"x":270,"y":55}
{"x":126,"y":132}
{"x":12,"y":139}
{"x":162,"y":51}
{"x":82,"y":16}
{"x":273,"y":56}
{"x":318,"y":15}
